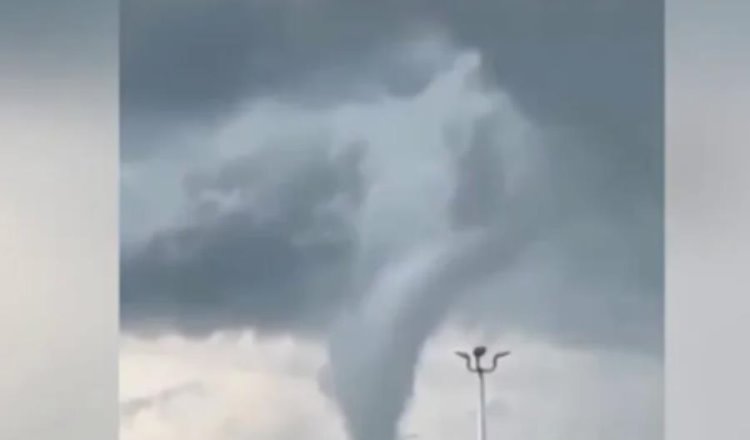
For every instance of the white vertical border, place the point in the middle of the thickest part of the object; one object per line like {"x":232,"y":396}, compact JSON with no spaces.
{"x":707,"y":220}
{"x":58,"y":219}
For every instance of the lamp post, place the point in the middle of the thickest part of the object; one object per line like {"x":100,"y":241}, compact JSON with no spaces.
{"x":476,"y":367}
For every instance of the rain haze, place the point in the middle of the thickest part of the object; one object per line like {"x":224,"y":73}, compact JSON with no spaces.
{"x":322,"y":200}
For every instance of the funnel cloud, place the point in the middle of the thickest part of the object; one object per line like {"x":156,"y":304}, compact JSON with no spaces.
{"x":363,"y":177}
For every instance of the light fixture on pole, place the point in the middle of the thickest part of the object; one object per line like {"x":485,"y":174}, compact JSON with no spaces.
{"x":476,"y":367}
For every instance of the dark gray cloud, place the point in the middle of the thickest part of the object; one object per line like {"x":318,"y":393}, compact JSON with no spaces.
{"x":280,"y":260}
{"x":584,"y":62}
{"x":480,"y":187}
{"x":588,"y":72}
{"x":594,"y":275}
{"x":196,"y":61}
{"x":282,"y":256}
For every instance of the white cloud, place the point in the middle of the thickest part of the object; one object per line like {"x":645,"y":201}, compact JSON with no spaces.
{"x":246,"y":387}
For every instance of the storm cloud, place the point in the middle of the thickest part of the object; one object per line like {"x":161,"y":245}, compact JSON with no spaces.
{"x":271,"y":236}
{"x":278,"y":257}
{"x":364,"y":173}
{"x":287,"y":237}
{"x":587,"y":63}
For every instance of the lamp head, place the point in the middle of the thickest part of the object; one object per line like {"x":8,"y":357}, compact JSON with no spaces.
{"x":480,"y":351}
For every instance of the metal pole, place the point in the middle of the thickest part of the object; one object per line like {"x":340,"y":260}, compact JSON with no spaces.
{"x":476,"y":367}
{"x":482,"y":429}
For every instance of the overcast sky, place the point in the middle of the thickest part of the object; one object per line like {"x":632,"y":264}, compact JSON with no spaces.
{"x":322,"y":199}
